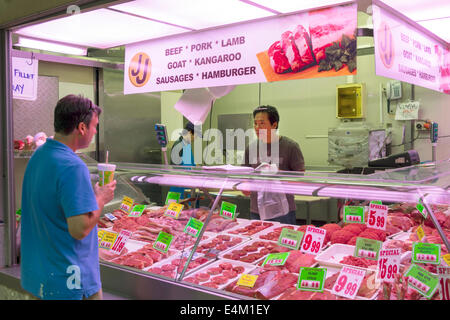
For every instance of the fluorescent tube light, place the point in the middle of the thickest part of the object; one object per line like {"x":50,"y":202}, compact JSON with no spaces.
{"x":287,"y":6}
{"x":50,"y":46}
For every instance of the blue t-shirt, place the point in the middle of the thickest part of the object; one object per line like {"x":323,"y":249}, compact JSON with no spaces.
{"x":54,"y":265}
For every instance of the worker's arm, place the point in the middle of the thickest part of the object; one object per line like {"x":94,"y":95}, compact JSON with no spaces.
{"x":81,"y":225}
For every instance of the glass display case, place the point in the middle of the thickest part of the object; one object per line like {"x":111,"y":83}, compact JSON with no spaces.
{"x":199,"y":248}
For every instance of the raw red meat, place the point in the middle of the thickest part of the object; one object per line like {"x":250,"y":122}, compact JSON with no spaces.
{"x":328,"y":25}
{"x":357,"y":262}
{"x":278,"y":59}
{"x":298,"y":259}
{"x":341,"y":236}
{"x":220,"y":279}
{"x":211,"y":285}
{"x":294,"y":294}
{"x":325,"y":295}
{"x":355,"y":228}
{"x":202,"y":277}
{"x":229,"y":274}
{"x":214,"y":270}
{"x":226,"y":266}
{"x":239,"y":269}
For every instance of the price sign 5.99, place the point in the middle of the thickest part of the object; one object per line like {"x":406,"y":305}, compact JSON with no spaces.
{"x":313,"y":240}
{"x":388,"y":264}
{"x":348,"y":282}
{"x":377,"y":218}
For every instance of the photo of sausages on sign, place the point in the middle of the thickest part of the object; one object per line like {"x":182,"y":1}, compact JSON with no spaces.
{"x":321,"y":44}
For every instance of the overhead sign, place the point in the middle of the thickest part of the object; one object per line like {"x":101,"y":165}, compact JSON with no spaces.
{"x":319,"y":43}
{"x":405,"y":53}
{"x":24,"y":78}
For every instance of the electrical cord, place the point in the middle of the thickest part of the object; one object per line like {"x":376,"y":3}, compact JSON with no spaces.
{"x":401,"y":144}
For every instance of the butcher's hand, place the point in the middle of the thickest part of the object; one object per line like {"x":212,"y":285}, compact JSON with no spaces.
{"x":105,"y":194}
{"x":246,"y":193}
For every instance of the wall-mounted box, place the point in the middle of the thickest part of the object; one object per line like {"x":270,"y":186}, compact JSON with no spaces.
{"x":349,"y":101}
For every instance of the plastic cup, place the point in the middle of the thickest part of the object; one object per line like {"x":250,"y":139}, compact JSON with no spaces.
{"x":105,"y":173}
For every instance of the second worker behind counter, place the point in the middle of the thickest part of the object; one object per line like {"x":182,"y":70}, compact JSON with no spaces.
{"x":290,"y":158}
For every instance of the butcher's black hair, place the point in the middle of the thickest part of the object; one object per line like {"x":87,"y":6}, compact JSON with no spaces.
{"x":71,"y":110}
{"x":271,"y":111}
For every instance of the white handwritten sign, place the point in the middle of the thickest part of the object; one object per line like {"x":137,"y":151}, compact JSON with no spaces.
{"x":407,"y":111}
{"x":25,"y":78}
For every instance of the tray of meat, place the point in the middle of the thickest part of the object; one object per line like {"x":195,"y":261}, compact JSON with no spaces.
{"x":219,"y":273}
{"x":219,"y":244}
{"x":333,"y":255}
{"x":184,"y":241}
{"x":367,"y":291}
{"x":173,"y":266}
{"x":142,"y":258}
{"x":273,"y":233}
{"x":294,"y":262}
{"x":253,"y":251}
{"x":251,"y":228}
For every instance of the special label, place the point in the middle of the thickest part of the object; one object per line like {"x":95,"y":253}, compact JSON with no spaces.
{"x":348,"y":282}
{"x":388,"y":264}
{"x":377,"y":218}
{"x":313,"y":240}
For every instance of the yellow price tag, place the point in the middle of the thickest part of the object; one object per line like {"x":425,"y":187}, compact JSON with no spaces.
{"x":108,"y":240}
{"x":447,"y":258}
{"x":420,"y":233}
{"x":247,"y":280}
{"x":100,"y":234}
{"x":127,"y":204}
{"x":173,"y":210}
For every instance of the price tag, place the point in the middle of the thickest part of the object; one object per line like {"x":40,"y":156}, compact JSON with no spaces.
{"x":163,"y":241}
{"x":377,"y":216}
{"x":193,"y":227}
{"x":137,"y":210}
{"x":367,"y":248}
{"x":122,"y":238}
{"x":290,"y":238}
{"x":348,"y":282}
{"x":173,"y":210}
{"x":173,"y":197}
{"x":421,"y":209}
{"x":276,"y":259}
{"x":354,"y":214}
{"x":110,"y":216}
{"x":108,"y":239}
{"x":444,"y":282}
{"x":447,"y":258}
{"x":100,"y":234}
{"x":376,"y":202}
{"x":313,"y":240}
{"x":420,"y":233}
{"x":228,"y":210}
{"x":247,"y":280}
{"x":426,"y":253}
{"x":311,"y":279}
{"x":388,"y":264}
{"x":127,"y":204}
{"x":421,"y":280}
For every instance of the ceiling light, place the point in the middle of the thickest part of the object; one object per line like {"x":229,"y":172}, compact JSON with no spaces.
{"x":50,"y":46}
{"x":294,"y":5}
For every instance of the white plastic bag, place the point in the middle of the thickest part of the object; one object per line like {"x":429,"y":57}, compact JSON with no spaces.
{"x":271,"y":204}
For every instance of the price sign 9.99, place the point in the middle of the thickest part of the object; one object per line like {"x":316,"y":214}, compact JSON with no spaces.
{"x":377,"y":218}
{"x":313,"y":240}
{"x":348,"y":282}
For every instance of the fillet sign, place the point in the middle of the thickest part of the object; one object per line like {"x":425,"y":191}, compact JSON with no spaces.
{"x":139,"y":70}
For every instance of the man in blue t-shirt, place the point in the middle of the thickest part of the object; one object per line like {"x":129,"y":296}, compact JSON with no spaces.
{"x":61,"y":208}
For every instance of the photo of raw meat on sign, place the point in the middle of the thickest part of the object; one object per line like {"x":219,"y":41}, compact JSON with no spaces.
{"x":322,"y":44}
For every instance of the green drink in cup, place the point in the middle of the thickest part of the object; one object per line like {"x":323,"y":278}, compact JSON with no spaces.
{"x":105,"y":173}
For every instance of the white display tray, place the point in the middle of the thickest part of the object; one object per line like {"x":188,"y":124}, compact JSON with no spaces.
{"x":179,"y":256}
{"x":213,"y":236}
{"x":247,"y":269}
{"x":335,"y":253}
{"x":269,"y":230}
{"x":240,"y":247}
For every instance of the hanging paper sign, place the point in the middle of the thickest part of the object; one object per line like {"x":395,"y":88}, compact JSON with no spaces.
{"x":121,"y":240}
{"x":237,"y":54}
{"x":173,"y":210}
{"x":421,"y":280}
{"x":247,"y":280}
{"x":426,"y":253}
{"x":228,"y":210}
{"x":311,"y":279}
{"x":313,"y":240}
{"x":407,"y":111}
{"x":193,"y":227}
{"x":367,"y":248}
{"x":420,"y":233}
{"x":163,"y":241}
{"x":405,"y":53}
{"x":137,"y":210}
{"x":276,"y":259}
{"x":290,"y":238}
{"x":108,"y":239}
{"x":377,"y":218}
{"x":444,"y":282}
{"x":354,"y":214}
{"x":388,"y":264}
{"x":173,"y":197}
{"x":24,"y":78}
{"x":127,"y":204}
{"x":348,"y":282}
